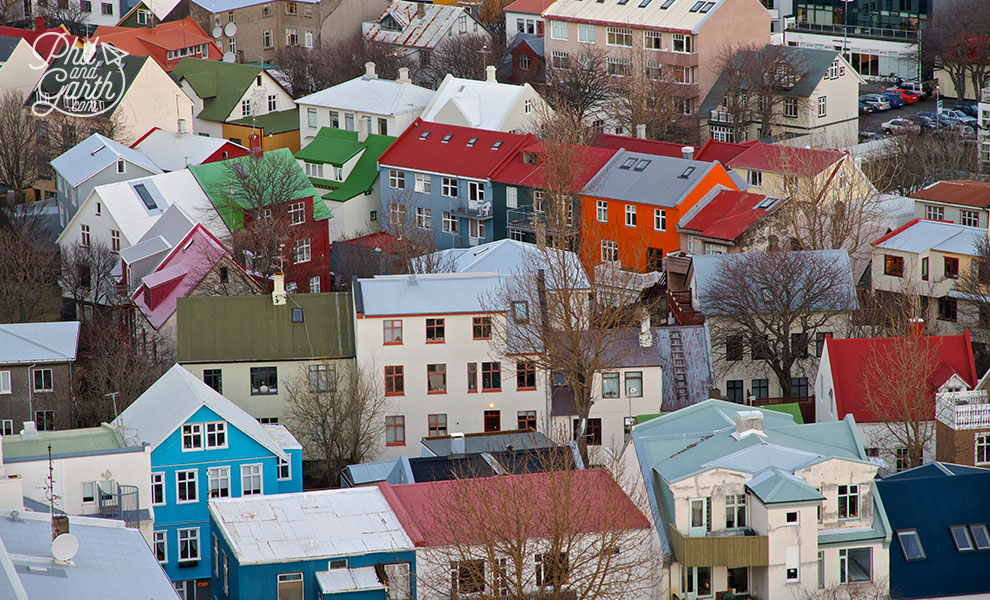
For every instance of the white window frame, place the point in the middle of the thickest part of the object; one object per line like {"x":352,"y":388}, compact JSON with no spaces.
{"x":218,"y":475}
{"x":969,"y":218}
{"x":558,"y":30}
{"x":511,"y":197}
{"x":601,"y":211}
{"x":423,"y":185}
{"x":790,"y":108}
{"x":190,"y":535}
{"x":290,"y":578}
{"x":89,"y":489}
{"x":844,"y":564}
{"x":187,"y":484}
{"x":822,"y":106}
{"x":476,"y":191}
{"x":659,"y":219}
{"x":733,"y":502}
{"x":852,"y":491}
{"x":194,"y":433}
{"x":84,"y":239}
{"x":424,"y":217}
{"x":652,"y":36}
{"x":7,"y":426}
{"x":283,"y":465}
{"x":219,"y":428}
{"x":245,"y":108}
{"x":302,"y":251}
{"x":630,"y":213}
{"x":792,"y":564}
{"x":981,"y":445}
{"x":586,"y":33}
{"x":396,"y":179}
{"x":5,"y":386}
{"x":297,"y":210}
{"x":160,"y":538}
{"x":449,"y":222}
{"x":158,"y":480}
{"x":620,"y":37}
{"x":687,"y":43}
{"x":251,"y":471}
{"x":610,"y":251}
{"x":448,"y":187}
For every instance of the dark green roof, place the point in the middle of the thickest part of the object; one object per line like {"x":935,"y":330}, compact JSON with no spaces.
{"x":336,"y":147}
{"x":130,"y":65}
{"x":251,"y":328}
{"x":220,"y":84}
{"x":274,"y":122}
{"x":211,"y":177}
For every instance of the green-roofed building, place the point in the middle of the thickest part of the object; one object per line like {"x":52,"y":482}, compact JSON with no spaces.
{"x":345,"y":171}
{"x":252,"y":351}
{"x":748,"y":501}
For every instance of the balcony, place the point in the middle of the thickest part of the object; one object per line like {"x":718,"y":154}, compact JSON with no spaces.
{"x":679,"y":304}
{"x":474,"y":210}
{"x":879,"y":33}
{"x":720,"y":116}
{"x":121,"y":502}
{"x":720,"y":549}
{"x":963,"y":410}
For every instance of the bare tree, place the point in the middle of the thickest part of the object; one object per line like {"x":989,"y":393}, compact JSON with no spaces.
{"x":911,"y":161}
{"x":86,"y":277}
{"x":491,"y":13}
{"x":773,"y":305}
{"x":337,"y":412}
{"x":649,"y":94}
{"x":876,"y":590}
{"x":580,"y":85}
{"x":413,"y":249}
{"x":28,"y":268}
{"x":955,"y":40}
{"x":309,"y":70}
{"x":19,"y":162}
{"x":464,"y":56}
{"x":64,"y":12}
{"x":974,"y":284}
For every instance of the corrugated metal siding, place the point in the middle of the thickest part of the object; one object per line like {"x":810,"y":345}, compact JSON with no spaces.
{"x":729,"y":551}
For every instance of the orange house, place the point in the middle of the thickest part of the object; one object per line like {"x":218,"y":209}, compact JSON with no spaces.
{"x":165,"y":43}
{"x":630,"y":209}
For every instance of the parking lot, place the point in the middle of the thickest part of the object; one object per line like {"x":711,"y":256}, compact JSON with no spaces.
{"x":872,"y":121}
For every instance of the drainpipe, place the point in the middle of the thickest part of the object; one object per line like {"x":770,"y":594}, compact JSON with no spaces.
{"x":31,"y":391}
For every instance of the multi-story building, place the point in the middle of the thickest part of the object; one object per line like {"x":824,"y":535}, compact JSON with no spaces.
{"x":253,"y":30}
{"x":963,"y":202}
{"x":36,"y":364}
{"x":525,"y":16}
{"x":487,"y":104}
{"x":984,"y":133}
{"x":755,"y":504}
{"x":415,"y":29}
{"x":727,"y":221}
{"x":165,"y":43}
{"x":962,"y":426}
{"x":202,"y":447}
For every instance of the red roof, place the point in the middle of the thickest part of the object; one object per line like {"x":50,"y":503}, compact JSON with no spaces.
{"x":515,"y":171}
{"x":850,"y":359}
{"x":384,"y":240}
{"x":723,"y":152}
{"x":45,"y":41}
{"x":632,"y":144}
{"x":438,"y":513}
{"x":728,"y":215}
{"x":157,"y":41}
{"x":969,"y":193}
{"x":454,"y":156}
{"x":534,"y":7}
{"x":786,"y":159}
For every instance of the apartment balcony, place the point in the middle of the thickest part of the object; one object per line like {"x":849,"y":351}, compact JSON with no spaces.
{"x":964,"y":409}
{"x":473,"y":210}
{"x":721,"y":117}
{"x":121,"y":502}
{"x":856,"y":31}
{"x":673,"y":59}
{"x":527,"y":219}
{"x":679,"y":304}
{"x":720,"y":549}
{"x":985,"y":95}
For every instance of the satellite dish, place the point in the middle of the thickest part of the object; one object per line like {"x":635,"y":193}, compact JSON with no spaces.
{"x":217,"y":32}
{"x":229,"y":29}
{"x":229,"y":57}
{"x":64,"y":547}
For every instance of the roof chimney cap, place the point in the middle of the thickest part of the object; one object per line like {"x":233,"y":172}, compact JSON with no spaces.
{"x":490,"y":74}
{"x":688,"y":152}
{"x":748,"y":421}
{"x":403,"y":75}
{"x":278,"y":290}
{"x":30,"y":431}
{"x":369,"y":70}
{"x":457,"y":443}
{"x":421,"y":9}
{"x":641,"y":131}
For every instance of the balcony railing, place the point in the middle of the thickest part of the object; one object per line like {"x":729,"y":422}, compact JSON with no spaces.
{"x":882,"y":33}
{"x":679,"y":304}
{"x":474,"y":210}
{"x":720,"y":549}
{"x":963,"y":410}
{"x":721,"y":116}
{"x":121,"y":502}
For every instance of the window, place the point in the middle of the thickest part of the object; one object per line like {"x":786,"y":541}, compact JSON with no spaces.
{"x":983,"y":449}
{"x":88,"y":492}
{"x":947,"y":309}
{"x":393,"y":331}
{"x":6,"y":427}
{"x":610,"y":251}
{"x":476,"y":191}
{"x":735,"y":511}
{"x":791,"y":108}
{"x":301,"y":250}
{"x":216,"y":434}
{"x":290,"y":585}
{"x":634,"y":384}
{"x":960,"y":535}
{"x":821,"y":568}
{"x":423,"y":183}
{"x":472,"y":377}
{"x":272,"y":103}
{"x":980,"y":536}
{"x":448,"y":187}
{"x":551,"y":569}
{"x":761,"y":388}
{"x":436,"y":379}
{"x":848,"y":501}
{"x":43,"y":380}
{"x":45,"y":420}
{"x":250,"y":480}
{"x":437,"y":424}
{"x":314,"y":285}
{"x":395,"y":430}
{"x":396,"y":179}
{"x":245,"y":108}
{"x":297,"y":213}
{"x":319,"y":378}
{"x":481,"y":328}
{"x":188,"y":544}
{"x":610,"y":385}
{"x":791,"y":517}
{"x":192,"y":436}
{"x":799,"y":387}
{"x":822,"y":108}
{"x":951,"y":268}
{"x":394,"y":381}
{"x":902,"y":461}
{"x":311,"y":117}
{"x":218,"y":479}
{"x":592,"y":431}
{"x":264,"y":380}
{"x":659,"y":219}
{"x":157,"y":488}
{"x":792,"y":563}
{"x":283,"y":469}
{"x":160,"y":543}
{"x":738,"y":579}
{"x":935,"y":213}
{"x":911,"y":544}
{"x":115,"y":240}
{"x":969,"y":218}
{"x":214,"y":379}
{"x":186,"y":486}
{"x":799,"y":345}
{"x":619,"y":67}
{"x":630,"y":215}
{"x":434,"y":330}
{"x":558,"y":30}
{"x":734,"y":348}
{"x":855,"y":564}
{"x":226,"y":573}
{"x":525,"y":375}
{"x":652,"y":40}
{"x":84,"y":236}
{"x":291,"y":36}
{"x":682,"y":43}
{"x":893,"y":265}
{"x":423,"y":217}
{"x":491,"y":376}
{"x":526,"y":419}
{"x":586,"y":33}
{"x":734,"y":390}
{"x":601,"y":210}
{"x":467,"y":577}
{"x":618,"y":36}
{"x":334,"y":119}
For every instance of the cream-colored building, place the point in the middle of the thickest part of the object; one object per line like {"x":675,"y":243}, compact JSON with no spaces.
{"x":487,"y":104}
{"x":20,"y":67}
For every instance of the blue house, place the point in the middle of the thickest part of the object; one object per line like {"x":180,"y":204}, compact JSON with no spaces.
{"x":203,"y":447}
{"x":344,"y":544}
{"x":939,"y":515}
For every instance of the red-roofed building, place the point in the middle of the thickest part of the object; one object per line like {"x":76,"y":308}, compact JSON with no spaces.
{"x":710,"y":151}
{"x":723,"y":221}
{"x":963,"y":202}
{"x":852,"y":371}
{"x":166,"y":43}
{"x":46,"y":42}
{"x":523,"y":16}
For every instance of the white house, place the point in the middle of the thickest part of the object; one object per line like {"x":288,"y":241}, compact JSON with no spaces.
{"x":487,"y":104}
{"x":416,"y":28}
{"x":17,"y":75}
{"x":524,"y":16}
{"x":367,"y":103}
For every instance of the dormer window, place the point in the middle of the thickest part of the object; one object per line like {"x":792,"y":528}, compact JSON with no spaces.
{"x":529,"y":158}
{"x":424,"y":135}
{"x":388,"y":23}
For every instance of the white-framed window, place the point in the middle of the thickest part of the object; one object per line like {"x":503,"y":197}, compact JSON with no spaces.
{"x":684,"y":74}
{"x":934,"y":213}
{"x":423,"y":183}
{"x":558,"y":30}
{"x":822,"y":106}
{"x":192,"y":436}
{"x":610,"y":251}
{"x":601,"y":211}
{"x":476,"y":191}
{"x":396,"y":179}
{"x":6,"y":427}
{"x":848,"y":501}
{"x":424,"y":217}
{"x":314,"y":284}
{"x":791,"y":108}
{"x":115,"y":240}
{"x":226,"y":573}
{"x":216,"y":556}
{"x":586,"y":33}
{"x":266,"y":39}
{"x":291,"y":36}
{"x":301,"y":250}
{"x":311,"y":117}
{"x":121,"y":165}
{"x":682,"y":43}
{"x":320,"y":377}
{"x":652,"y":40}
{"x":618,"y":67}
{"x":284,"y":469}
{"x":272,"y":103}
{"x":476,"y":229}
{"x":186,"y":486}
{"x":157,"y":489}
{"x":559,"y":59}
{"x":188,"y":544}
{"x":528,"y":106}
{"x":653,"y":70}
{"x":5,"y":387}
{"x":216,"y":434}
{"x":792,"y":566}
{"x":449,"y":223}
{"x":722,"y":133}
{"x":983,"y":449}
{"x":448,"y":187}
{"x":659,"y":219}
{"x":855,"y":565}
{"x":297,"y":213}
{"x":88,"y":492}
{"x":754,"y":177}
{"x":84,"y":236}
{"x":792,"y":517}
{"x":969,"y":218}
{"x":251,"y":480}
{"x":619,"y":36}
{"x":630,"y":215}
{"x":511,"y":197}
{"x":290,"y":586}
{"x":245,"y":108}
{"x":308,"y":39}
{"x":735,"y":511}
{"x":219,"y":482}
{"x":313,"y":170}
{"x":160,"y":544}
{"x":524,"y":62}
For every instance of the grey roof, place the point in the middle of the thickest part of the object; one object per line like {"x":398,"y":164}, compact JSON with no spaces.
{"x":94,"y":154}
{"x":155,"y":244}
{"x":661,"y":181}
{"x":505,"y":257}
{"x":373,"y":472}
{"x":175,"y":397}
{"x":38,"y":342}
{"x":935,"y":235}
{"x":489,"y":442}
{"x":371,"y":95}
{"x":218,"y":6}
{"x":775,"y":486}
{"x":435,"y":293}
{"x":172,"y":151}
{"x":697,"y":364}
{"x":309,"y":525}
{"x":113,"y":562}
{"x":336,"y":581}
{"x":7,"y":45}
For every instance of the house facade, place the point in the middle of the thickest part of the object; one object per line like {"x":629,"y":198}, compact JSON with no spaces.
{"x":202,"y":447}
{"x":487,"y":104}
{"x":962,"y":425}
{"x":525,"y":16}
{"x":724,"y":221}
{"x":415,"y":29}
{"x":963,"y":202}
{"x":36,"y":365}
{"x":16,"y":57}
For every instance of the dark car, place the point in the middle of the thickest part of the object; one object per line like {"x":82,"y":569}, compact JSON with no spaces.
{"x":942,"y":119}
{"x":869,"y":136}
{"x":866,"y":107}
{"x":923,"y":121}
{"x":969,"y":109}
{"x":896,"y":100}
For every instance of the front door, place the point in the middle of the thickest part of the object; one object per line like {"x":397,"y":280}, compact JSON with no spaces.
{"x":699,"y":582}
{"x":699,"y":517}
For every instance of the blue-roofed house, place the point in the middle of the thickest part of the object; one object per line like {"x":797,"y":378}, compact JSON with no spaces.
{"x":939,"y":516}
{"x":36,"y":362}
{"x":97,"y":160}
{"x":344,"y":544}
{"x":746,"y":500}
{"x":203,"y":447}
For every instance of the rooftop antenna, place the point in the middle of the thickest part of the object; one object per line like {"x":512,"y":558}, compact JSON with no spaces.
{"x":113,"y":398}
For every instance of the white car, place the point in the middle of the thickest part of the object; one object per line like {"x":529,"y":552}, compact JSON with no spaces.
{"x":900,"y":126}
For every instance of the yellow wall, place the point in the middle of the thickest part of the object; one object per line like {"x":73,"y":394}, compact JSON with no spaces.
{"x":288,"y":139}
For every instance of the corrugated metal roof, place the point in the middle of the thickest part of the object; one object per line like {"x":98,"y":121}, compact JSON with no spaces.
{"x":484,"y":104}
{"x":969,"y":193}
{"x":309,"y":525}
{"x":434,"y":293}
{"x":175,"y":397}
{"x":95,"y":153}
{"x":173,"y":151}
{"x":505,"y":257}
{"x":371,"y":95}
{"x":38,"y":342}
{"x":643,"y":15}
{"x":922,"y":236}
{"x":647,"y":178}
{"x":251,"y":328}
{"x":490,"y":442}
{"x":335,"y":581}
{"x":417,"y":32}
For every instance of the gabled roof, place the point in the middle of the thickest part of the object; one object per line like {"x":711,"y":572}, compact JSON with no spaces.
{"x":723,"y":152}
{"x":48,"y":44}
{"x":726,"y":214}
{"x":775,"y":486}
{"x":95,"y":153}
{"x":38,"y":342}
{"x":778,"y":158}
{"x":175,"y":397}
{"x":160,"y":8}
{"x":634,"y":144}
{"x":482,"y":104}
{"x":967,"y":193}
{"x":505,"y":257}
{"x":677,"y":15}
{"x":647,"y":178}
{"x":516,"y":171}
{"x":220,"y":85}
{"x":697,"y":357}
{"x":435,"y":293}
{"x":7,"y":45}
{"x":172,"y":151}
{"x":532,"y":7}
{"x":851,"y":360}
{"x":336,"y":147}
{"x":371,"y":95}
{"x":219,"y":6}
{"x":284,"y":528}
{"x":454,"y":157}
{"x":415,"y":31}
{"x":172,"y":35}
{"x":920,"y":235}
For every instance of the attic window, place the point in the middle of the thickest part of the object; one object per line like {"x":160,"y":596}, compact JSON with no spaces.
{"x":121,"y":165}
{"x":667,"y":4}
{"x":446,"y":138}
{"x":93,"y":153}
{"x":641,"y":165}
{"x":645,"y":3}
{"x":142,"y":191}
{"x":707,"y":7}
{"x":980,"y":536}
{"x":687,"y":173}
{"x":622,"y":2}
{"x":697,"y":6}
{"x":471,"y":142}
{"x":257,"y":80}
{"x":911,"y":545}
{"x":529,"y":158}
{"x":628,"y":164}
{"x":297,"y":315}
{"x":424,"y":135}
{"x":960,"y":535}
{"x":497,"y":145}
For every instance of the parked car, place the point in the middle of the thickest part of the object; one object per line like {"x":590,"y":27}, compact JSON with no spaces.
{"x":896,"y":101}
{"x":939,"y":118}
{"x":925,"y":123}
{"x":877,"y":101}
{"x":866,"y":107}
{"x":923,"y":89}
{"x":900,"y":126}
{"x":869,"y":136}
{"x":961,"y":117}
{"x":969,"y":109}
{"x":906,"y":96}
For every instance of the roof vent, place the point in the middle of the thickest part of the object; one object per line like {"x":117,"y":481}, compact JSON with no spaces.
{"x":457,"y":443}
{"x":412,"y":279}
{"x":687,"y":152}
{"x":748,"y":421}
{"x":93,"y":153}
{"x":30,"y":431}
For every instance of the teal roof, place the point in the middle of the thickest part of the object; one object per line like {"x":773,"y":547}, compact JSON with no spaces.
{"x":69,"y":441}
{"x":774,"y":486}
{"x":336,"y":147}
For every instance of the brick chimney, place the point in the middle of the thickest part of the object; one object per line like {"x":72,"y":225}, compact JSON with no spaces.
{"x":39,"y":24}
{"x":254,"y":143}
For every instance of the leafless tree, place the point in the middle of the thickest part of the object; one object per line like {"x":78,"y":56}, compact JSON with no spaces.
{"x":337,"y":412}
{"x":580,"y":85}
{"x":911,"y":161}
{"x":414,"y":245}
{"x":29,"y":268}
{"x":86,"y":277}
{"x":876,"y":590}
{"x":7,"y":12}
{"x":491,"y":13}
{"x":651,"y":96}
{"x":975,"y":284}
{"x":309,"y":70}
{"x":464,"y":56}
{"x":956,"y":40}
{"x":19,"y":162}
{"x":773,"y":305}
{"x":64,"y":12}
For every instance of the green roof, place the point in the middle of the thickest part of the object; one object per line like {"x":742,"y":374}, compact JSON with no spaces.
{"x":130,"y":66}
{"x":251,"y":328}
{"x":211,"y":177}
{"x":90,"y":439}
{"x":775,"y":486}
{"x":273,"y":122}
{"x":790,"y":408}
{"x":220,"y":84}
{"x":336,"y":147}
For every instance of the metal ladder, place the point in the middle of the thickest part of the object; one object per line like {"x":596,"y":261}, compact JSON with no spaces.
{"x":680,"y":366}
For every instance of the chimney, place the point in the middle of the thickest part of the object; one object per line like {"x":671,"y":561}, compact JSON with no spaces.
{"x":181,"y":126}
{"x":421,"y":10}
{"x":688,"y":152}
{"x":645,"y":333}
{"x":364,"y":124}
{"x":412,"y":279}
{"x":641,"y":131}
{"x":60,"y":525}
{"x":403,"y":75}
{"x":278,"y":291}
{"x":457,"y":443}
{"x":490,"y":73}
{"x":254,"y":142}
{"x":39,"y":23}
{"x":917,"y":327}
{"x":748,"y":421}
{"x":369,"y":70}
{"x":30,"y":431}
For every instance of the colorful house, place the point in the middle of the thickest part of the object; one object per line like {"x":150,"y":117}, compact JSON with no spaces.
{"x":165,"y":43}
{"x":726,"y":221}
{"x":202,"y":447}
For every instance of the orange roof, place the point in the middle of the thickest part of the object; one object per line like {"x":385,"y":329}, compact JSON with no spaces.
{"x":173,"y":35}
{"x":533,"y":7}
{"x":968,"y":193}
